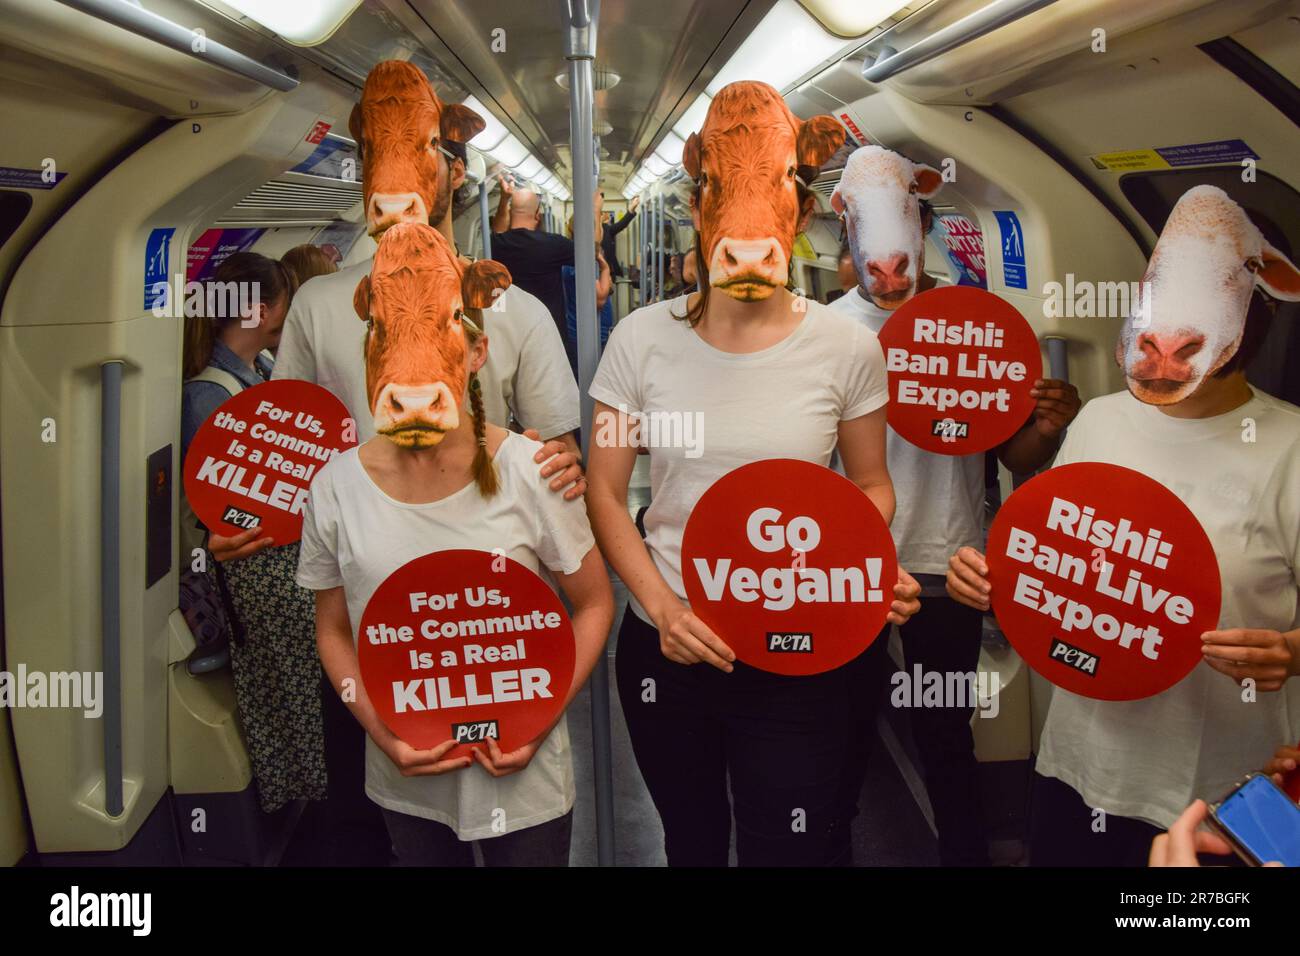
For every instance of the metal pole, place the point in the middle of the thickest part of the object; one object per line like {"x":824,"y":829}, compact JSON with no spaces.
{"x":663,"y":218}
{"x":110,"y":560}
{"x":485,"y":221}
{"x":581,"y":17}
{"x":640,"y":255}
{"x":131,"y":17}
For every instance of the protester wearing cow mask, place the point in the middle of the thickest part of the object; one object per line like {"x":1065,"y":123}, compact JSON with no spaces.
{"x":528,"y":374}
{"x":883,"y":198}
{"x":437,"y":476}
{"x":1232,"y":454}
{"x":771,"y":375}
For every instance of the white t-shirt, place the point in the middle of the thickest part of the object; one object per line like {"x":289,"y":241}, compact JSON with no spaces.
{"x":784,"y":401}
{"x":355,"y":536}
{"x":527,"y":371}
{"x":1150,"y":758}
{"x":939,"y":498}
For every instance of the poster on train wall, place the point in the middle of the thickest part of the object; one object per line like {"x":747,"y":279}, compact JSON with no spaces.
{"x":1103,"y":581}
{"x":465,"y":645}
{"x":215,"y":246}
{"x":251,"y":463}
{"x":961,"y":363}
{"x":790,"y":564}
{"x":964,"y":243}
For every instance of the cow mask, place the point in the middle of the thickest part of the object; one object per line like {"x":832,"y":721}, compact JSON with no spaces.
{"x":879,"y":195}
{"x":746,"y":162}
{"x":399,"y":125}
{"x":415,"y":348}
{"x":1191,"y":308}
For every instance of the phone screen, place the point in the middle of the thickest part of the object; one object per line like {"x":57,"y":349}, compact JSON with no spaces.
{"x":1264,"y":820}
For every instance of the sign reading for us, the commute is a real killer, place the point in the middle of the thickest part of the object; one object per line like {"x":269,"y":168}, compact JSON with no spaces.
{"x":1103,"y":580}
{"x":465,"y":645}
{"x":251,"y":462}
{"x":961,"y":362}
{"x":790,"y":564}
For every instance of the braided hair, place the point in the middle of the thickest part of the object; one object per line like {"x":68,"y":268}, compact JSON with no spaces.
{"x":484,"y":471}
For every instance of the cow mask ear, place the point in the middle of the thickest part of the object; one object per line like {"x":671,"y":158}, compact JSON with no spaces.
{"x":482,"y":282}
{"x":691,"y":156}
{"x":361,"y":299}
{"x":928,"y":180}
{"x":818,"y":139}
{"x":459,"y":123}
{"x":1279,"y":276}
{"x":837,"y":201}
{"x":354,"y":122}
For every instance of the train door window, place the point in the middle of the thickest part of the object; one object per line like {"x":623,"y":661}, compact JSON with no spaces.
{"x":1275,"y":208}
{"x":14,"y":207}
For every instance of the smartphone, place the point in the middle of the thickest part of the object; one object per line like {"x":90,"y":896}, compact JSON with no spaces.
{"x":1260,"y":821}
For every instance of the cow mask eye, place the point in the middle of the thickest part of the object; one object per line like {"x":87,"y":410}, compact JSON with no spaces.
{"x":790,"y":173}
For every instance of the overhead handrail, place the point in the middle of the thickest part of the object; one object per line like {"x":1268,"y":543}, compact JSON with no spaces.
{"x":971,"y":27}
{"x":151,"y":26}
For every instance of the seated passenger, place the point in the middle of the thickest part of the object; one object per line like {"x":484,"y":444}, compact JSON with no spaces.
{"x":1181,"y":423}
{"x":403,"y":494}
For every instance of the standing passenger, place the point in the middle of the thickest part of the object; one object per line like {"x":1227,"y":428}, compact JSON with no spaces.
{"x":438,"y":476}
{"x":771,"y":380}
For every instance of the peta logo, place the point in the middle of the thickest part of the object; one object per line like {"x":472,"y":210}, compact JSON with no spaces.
{"x":1075,"y":657}
{"x":243,"y":519}
{"x":781,"y":642}
{"x":475,"y":732}
{"x":949,"y":428}
{"x":74,"y":908}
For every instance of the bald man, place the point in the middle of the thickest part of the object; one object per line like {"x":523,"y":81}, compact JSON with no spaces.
{"x":533,"y":256}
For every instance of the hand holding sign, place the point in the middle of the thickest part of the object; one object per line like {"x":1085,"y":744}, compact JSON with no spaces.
{"x":790,"y":565}
{"x":1101,"y":579}
{"x":467,"y":647}
{"x":251,"y":462}
{"x":961,"y":364}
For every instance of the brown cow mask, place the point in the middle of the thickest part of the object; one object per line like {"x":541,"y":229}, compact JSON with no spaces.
{"x":745,"y":162}
{"x":399,"y":125}
{"x":415,"y":348}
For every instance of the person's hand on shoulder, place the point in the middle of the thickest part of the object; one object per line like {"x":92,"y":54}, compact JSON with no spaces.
{"x":562,"y":464}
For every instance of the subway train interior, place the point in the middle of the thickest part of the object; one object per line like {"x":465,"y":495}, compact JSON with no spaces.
{"x":142,"y":140}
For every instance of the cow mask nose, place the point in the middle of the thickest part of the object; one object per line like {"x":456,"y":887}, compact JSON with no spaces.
{"x":760,"y":255}
{"x":1176,"y":349}
{"x":413,"y":402}
{"x":385,"y":209}
{"x":889,"y":267}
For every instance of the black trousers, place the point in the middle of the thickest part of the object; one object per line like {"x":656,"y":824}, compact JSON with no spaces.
{"x":782,"y":742}
{"x":1065,"y":831}
{"x":420,"y":842}
{"x":943,"y":637}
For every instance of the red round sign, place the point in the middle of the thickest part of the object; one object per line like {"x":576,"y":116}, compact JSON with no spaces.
{"x":961,"y":362}
{"x":465,"y":645}
{"x":251,"y":462}
{"x":1103,"y":580}
{"x":790,"y":564}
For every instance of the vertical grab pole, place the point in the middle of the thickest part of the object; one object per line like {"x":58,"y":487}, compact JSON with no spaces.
{"x":110,"y":578}
{"x":640,"y":256}
{"x":663,"y":249}
{"x":485,"y":221}
{"x":581,"y":18}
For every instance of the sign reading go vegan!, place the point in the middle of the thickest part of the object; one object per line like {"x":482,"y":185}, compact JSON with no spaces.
{"x":1103,"y":580}
{"x":465,"y":645}
{"x":790,"y":564}
{"x":251,"y":462}
{"x":961,"y":362}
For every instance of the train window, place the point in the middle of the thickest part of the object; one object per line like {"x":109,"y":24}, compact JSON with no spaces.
{"x":1275,"y":208}
{"x":14,"y":207}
